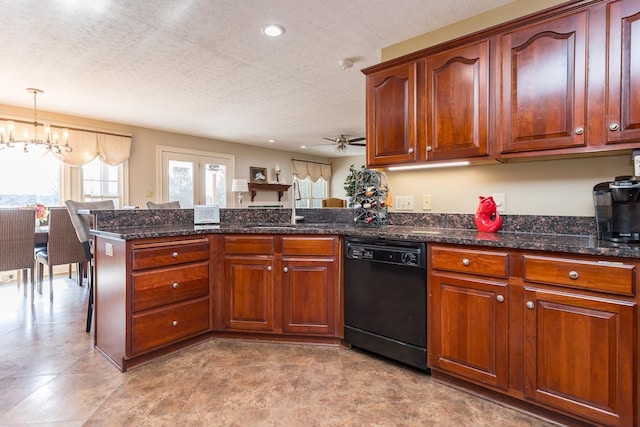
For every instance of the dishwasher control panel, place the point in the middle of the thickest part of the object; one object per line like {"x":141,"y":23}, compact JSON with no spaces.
{"x":400,"y":255}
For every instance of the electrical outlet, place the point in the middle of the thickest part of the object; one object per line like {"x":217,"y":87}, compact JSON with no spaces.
{"x":404,"y":203}
{"x":501,"y":201}
{"x":149,"y":194}
{"x":426,"y":202}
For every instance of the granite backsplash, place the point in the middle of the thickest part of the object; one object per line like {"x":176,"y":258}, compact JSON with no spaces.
{"x":570,"y":225}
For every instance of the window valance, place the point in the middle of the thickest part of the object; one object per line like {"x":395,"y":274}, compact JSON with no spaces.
{"x":87,"y":145}
{"x":313,"y":170}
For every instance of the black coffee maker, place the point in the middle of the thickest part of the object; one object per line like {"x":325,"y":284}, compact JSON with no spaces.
{"x":617,"y":205}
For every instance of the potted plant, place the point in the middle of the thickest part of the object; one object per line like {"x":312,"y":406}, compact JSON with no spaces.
{"x":350,"y":183}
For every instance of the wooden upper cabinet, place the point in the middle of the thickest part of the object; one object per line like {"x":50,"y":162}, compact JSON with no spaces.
{"x":457,"y":87}
{"x":623,"y":99}
{"x":392,"y":96}
{"x":543,"y":85}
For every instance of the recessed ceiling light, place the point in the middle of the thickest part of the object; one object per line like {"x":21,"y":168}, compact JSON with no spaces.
{"x":303,"y":146}
{"x":273,"y":30}
{"x":271,"y":141}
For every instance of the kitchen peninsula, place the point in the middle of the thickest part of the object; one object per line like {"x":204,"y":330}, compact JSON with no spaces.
{"x":534,"y":304}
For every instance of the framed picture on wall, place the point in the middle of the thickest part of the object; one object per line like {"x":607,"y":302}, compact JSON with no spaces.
{"x":258,"y":175}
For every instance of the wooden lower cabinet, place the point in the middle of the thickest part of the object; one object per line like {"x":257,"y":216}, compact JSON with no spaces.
{"x":284,"y":285}
{"x":579,"y":354}
{"x":249,"y":293}
{"x":557,"y":332}
{"x":473,"y":334}
{"x":309,"y":293}
{"x":152,"y":296}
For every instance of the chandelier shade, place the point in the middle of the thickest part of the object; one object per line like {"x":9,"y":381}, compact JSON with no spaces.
{"x":53,"y":139}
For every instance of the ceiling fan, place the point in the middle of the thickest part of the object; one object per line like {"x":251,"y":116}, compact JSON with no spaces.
{"x":342,"y":142}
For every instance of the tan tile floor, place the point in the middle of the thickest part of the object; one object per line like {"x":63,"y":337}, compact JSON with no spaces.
{"x":50,"y":375}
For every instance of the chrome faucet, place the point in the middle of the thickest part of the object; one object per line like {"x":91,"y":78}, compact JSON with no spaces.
{"x":295,"y":195}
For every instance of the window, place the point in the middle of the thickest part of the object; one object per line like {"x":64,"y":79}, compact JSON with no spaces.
{"x":28,"y":178}
{"x":311,"y":193}
{"x":101,"y":181}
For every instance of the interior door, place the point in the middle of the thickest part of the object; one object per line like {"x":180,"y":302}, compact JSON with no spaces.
{"x":195,"y":179}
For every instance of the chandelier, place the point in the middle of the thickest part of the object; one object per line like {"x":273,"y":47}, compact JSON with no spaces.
{"x":51,"y":140}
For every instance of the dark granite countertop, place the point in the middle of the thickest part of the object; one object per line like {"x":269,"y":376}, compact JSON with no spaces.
{"x":576,"y":244}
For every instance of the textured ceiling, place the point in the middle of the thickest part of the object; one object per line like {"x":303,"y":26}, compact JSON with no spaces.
{"x":202,"y":67}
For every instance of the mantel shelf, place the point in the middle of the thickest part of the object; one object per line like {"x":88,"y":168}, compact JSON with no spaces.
{"x":254,"y":187}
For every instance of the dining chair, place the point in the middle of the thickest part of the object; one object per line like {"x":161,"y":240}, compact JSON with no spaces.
{"x":167,"y":205}
{"x":333,"y":202}
{"x":63,"y":247}
{"x":17,"y":233}
{"x":82,"y":224}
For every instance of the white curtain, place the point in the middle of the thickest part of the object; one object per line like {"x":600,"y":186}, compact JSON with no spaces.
{"x":112,"y":149}
{"x":313,"y":170}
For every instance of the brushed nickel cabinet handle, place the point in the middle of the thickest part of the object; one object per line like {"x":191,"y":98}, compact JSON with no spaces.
{"x":466,"y":261}
{"x":500,"y":298}
{"x":269,"y":268}
{"x":410,"y":151}
{"x":174,"y":323}
{"x":579,"y":131}
{"x":614,"y":126}
{"x":573,"y":275}
{"x":175,"y":254}
{"x":286,"y":270}
{"x":429,"y":148}
{"x":175,"y":285}
{"x":530,"y":305}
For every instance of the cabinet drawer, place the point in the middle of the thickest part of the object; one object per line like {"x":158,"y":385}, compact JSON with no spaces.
{"x":486,"y":263}
{"x":162,"y":327}
{"x":319,"y":246}
{"x":611,"y":277}
{"x":160,"y":286}
{"x":248,"y":245}
{"x":169,"y":253}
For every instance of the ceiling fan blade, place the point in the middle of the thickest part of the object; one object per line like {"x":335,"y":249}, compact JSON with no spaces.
{"x":330,"y":139}
{"x":357,"y":139}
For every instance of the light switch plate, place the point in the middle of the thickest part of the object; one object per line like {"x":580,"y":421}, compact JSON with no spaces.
{"x":404,"y":203}
{"x":501,"y":201}
{"x":426,"y":202}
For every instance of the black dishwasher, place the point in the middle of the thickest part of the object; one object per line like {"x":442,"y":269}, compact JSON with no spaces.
{"x":385,"y":298}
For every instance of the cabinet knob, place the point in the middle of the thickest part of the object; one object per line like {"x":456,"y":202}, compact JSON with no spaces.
{"x":286,"y":269}
{"x":410,"y":151}
{"x":269,"y":268}
{"x":466,"y":261}
{"x":614,"y":126}
{"x":530,"y":305}
{"x":500,"y":298}
{"x":175,"y":285}
{"x":175,"y":254}
{"x":573,"y":275}
{"x":429,"y":148}
{"x":174,"y":323}
{"x":579,"y":131}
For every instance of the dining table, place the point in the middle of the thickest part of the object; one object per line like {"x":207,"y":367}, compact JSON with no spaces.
{"x":41,"y":236}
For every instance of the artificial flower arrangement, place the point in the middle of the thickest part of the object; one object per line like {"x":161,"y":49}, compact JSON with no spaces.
{"x":42,"y":212}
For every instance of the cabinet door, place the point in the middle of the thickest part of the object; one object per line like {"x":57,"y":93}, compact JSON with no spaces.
{"x":469,"y":328}
{"x":624,"y":71}
{"x":457,"y":84}
{"x":392,"y":96}
{"x":543,"y":85}
{"x":309,"y":298}
{"x":575,"y":348}
{"x":249,"y":293}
